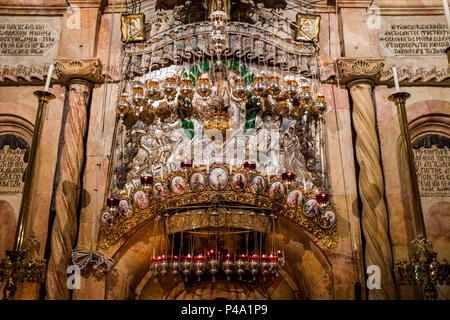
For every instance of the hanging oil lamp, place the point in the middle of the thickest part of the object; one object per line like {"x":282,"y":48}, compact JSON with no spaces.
{"x":170,"y":87}
{"x":204,"y":88}
{"x":199,"y":266}
{"x":123,"y":105}
{"x":291,"y":88}
{"x":274,"y":87}
{"x":258,"y":86}
{"x":186,"y":88}
{"x":227,"y":266}
{"x":153,"y":90}
{"x":240,"y":90}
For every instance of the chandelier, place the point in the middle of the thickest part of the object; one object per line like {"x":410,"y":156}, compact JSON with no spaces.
{"x":217,"y":218}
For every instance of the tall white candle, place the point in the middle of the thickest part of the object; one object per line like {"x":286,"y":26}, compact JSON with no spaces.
{"x":49,"y":77}
{"x":447,"y":12}
{"x":397,"y":85}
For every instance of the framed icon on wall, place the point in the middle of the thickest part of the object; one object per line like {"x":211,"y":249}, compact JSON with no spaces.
{"x":308,"y":28}
{"x":133,"y":27}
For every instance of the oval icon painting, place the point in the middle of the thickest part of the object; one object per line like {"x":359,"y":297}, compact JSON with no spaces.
{"x":258,"y":185}
{"x":108,"y":219}
{"x":218,"y":178}
{"x":141,"y":199}
{"x":159,"y":191}
{"x":327,"y":219}
{"x":125,"y":208}
{"x":276,"y":191}
{"x":178,"y":185}
{"x":197,"y":182}
{"x":294,"y":198}
{"x":311,"y":208}
{"x":239,"y":181}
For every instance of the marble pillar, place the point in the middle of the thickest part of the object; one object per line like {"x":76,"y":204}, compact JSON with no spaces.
{"x":360,"y":74}
{"x":80,"y":76}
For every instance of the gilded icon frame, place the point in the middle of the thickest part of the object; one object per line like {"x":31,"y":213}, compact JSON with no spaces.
{"x":311,"y":33}
{"x":133,"y":27}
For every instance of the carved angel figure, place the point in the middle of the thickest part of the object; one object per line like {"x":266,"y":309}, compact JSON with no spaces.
{"x":292,"y":158}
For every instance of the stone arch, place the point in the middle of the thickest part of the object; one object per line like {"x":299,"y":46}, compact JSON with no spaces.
{"x":306,"y":275}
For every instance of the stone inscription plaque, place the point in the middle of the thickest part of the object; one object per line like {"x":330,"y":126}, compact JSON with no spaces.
{"x":12,"y":168}
{"x":29,"y":41}
{"x":412,"y":37}
{"x":433,"y":171}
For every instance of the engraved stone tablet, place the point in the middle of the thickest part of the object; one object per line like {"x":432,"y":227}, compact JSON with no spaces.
{"x":13,"y":162}
{"x":414,"y":37}
{"x":29,"y":41}
{"x":433,"y":171}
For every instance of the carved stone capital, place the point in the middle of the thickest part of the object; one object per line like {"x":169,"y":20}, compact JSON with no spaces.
{"x":86,"y":69}
{"x":351,"y":69}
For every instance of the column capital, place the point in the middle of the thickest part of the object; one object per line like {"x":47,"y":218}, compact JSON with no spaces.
{"x":86,"y":69}
{"x":351,"y":69}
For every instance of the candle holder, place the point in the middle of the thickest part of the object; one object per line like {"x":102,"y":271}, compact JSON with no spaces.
{"x":18,"y":264}
{"x":424,"y":269}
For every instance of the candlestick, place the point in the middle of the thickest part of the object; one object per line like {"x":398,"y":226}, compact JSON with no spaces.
{"x":397,"y":85}
{"x":447,"y":12}
{"x":400,"y":100}
{"x":49,"y":77}
{"x":17,"y":255}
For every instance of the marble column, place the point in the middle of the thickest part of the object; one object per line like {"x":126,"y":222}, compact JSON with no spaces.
{"x":80,"y":76}
{"x":360,"y":76}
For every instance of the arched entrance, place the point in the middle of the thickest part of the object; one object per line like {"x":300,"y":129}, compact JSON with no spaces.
{"x":307,"y":273}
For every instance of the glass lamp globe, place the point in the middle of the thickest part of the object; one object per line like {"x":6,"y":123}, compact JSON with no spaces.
{"x":258,"y":87}
{"x":186,"y":88}
{"x":240,"y":91}
{"x":153,"y":90}
{"x":138,"y":97}
{"x":204,"y":86}
{"x":291,"y":88}
{"x":170,"y":87}
{"x":274,"y":85}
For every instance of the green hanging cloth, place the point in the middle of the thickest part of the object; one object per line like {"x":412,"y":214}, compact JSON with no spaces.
{"x":252,"y":107}
{"x":188,"y":127}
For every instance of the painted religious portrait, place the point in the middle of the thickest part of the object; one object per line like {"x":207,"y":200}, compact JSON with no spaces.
{"x":159,"y":191}
{"x":311,"y":208}
{"x":294,"y":199}
{"x":258,"y":184}
{"x":125,"y":208}
{"x":239,"y":181}
{"x":276,"y":191}
{"x":108,"y":219}
{"x":327,"y":219}
{"x":178,"y":185}
{"x":218,"y":178}
{"x":141,"y":199}
{"x":197,"y":182}
{"x":133,"y":27}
